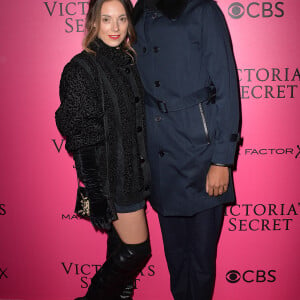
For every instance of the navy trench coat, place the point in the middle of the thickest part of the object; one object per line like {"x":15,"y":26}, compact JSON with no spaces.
{"x":180,"y":61}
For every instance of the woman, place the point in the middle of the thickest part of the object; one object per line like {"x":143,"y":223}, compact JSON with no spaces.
{"x":102,"y":118}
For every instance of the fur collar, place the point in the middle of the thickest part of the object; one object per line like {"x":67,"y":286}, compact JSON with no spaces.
{"x":170,"y":8}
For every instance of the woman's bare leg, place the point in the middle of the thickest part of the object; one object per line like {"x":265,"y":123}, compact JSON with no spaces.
{"x":132,"y":227}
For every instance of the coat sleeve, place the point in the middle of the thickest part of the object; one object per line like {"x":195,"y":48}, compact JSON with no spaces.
{"x":80,"y":120}
{"x":91,"y":171}
{"x":221,"y":67}
{"x":80,"y":116}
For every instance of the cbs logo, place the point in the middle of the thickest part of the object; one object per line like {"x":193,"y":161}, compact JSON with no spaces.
{"x":237,"y":10}
{"x":249,"y":276}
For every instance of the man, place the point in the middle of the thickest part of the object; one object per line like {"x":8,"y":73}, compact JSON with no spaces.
{"x":185,"y":59}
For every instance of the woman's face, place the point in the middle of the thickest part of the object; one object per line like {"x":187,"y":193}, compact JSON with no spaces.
{"x":113,"y":23}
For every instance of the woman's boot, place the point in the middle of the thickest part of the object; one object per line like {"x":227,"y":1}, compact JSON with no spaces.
{"x":120,"y":268}
{"x":113,"y":244}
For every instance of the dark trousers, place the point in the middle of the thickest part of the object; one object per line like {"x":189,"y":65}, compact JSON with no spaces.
{"x":190,"y":245}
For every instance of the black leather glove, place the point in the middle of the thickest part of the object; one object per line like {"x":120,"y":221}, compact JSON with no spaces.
{"x":89,"y":173}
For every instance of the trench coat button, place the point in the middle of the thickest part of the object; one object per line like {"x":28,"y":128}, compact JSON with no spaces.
{"x":142,"y":159}
{"x":144,"y":49}
{"x":127,"y":70}
{"x":154,"y":16}
{"x":157,"y":119}
{"x":161,"y":153}
{"x":155,"y":49}
{"x":139,"y":129}
{"x":157,"y":83}
{"x":137,"y":99}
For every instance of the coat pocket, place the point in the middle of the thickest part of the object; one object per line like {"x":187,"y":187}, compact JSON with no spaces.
{"x":204,"y":122}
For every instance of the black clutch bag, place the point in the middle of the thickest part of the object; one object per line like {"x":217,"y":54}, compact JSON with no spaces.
{"x":82,"y":207}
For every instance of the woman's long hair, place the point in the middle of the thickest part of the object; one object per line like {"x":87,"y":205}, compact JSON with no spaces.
{"x":92,"y":24}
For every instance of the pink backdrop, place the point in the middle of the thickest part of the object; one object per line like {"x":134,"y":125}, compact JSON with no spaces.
{"x":47,"y":253}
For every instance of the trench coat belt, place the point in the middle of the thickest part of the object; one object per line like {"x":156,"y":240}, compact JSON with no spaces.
{"x":206,"y":94}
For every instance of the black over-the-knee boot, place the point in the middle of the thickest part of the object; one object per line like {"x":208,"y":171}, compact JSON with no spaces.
{"x":113,"y":244}
{"x":121,"y":267}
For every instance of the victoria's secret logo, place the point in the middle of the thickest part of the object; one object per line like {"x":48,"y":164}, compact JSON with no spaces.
{"x":261,"y":217}
{"x":2,"y":210}
{"x":269,"y":83}
{"x":72,"y":12}
{"x":237,"y":10}
{"x":58,"y":144}
{"x":87,"y":271}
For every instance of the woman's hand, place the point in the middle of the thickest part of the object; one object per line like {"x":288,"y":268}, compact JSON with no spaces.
{"x":217,"y":180}
{"x":88,"y":172}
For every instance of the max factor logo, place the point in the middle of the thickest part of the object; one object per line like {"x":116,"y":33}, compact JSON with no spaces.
{"x":250,"y":276}
{"x":3,"y":274}
{"x":70,"y":217}
{"x":255,"y":152}
{"x":298,"y":148}
{"x":237,"y":10}
{"x":58,"y":144}
{"x":2,"y":210}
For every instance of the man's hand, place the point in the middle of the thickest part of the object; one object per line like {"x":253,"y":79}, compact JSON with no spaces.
{"x":217,"y":180}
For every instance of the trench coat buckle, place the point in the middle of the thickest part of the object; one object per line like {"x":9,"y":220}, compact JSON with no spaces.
{"x":162,"y":105}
